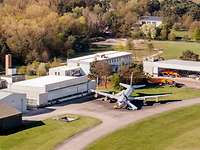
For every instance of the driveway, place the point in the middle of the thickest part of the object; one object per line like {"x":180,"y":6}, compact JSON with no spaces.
{"x":112,"y":119}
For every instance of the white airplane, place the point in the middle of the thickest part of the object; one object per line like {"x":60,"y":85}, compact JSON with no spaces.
{"x":123,"y":98}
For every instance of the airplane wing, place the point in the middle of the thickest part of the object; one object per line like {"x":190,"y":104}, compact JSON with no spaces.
{"x":147,"y":97}
{"x":106,"y":94}
{"x":134,"y":86}
{"x":124,"y":85}
{"x":138,"y":86}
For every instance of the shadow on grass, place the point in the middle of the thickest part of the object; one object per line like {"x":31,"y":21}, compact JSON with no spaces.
{"x":25,"y":126}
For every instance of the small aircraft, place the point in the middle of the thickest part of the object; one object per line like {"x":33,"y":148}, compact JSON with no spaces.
{"x":124,"y":99}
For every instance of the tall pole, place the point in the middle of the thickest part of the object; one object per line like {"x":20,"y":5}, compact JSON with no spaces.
{"x":131,"y":82}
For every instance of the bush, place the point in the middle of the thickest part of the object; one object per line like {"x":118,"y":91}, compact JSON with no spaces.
{"x":42,"y":70}
{"x":172,"y":36}
{"x":189,"y":55}
{"x":22,"y":70}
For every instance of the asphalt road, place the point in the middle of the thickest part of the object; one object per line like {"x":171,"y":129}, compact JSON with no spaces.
{"x":111,"y":119}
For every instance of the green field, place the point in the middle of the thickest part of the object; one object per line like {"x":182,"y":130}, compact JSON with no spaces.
{"x":176,"y":93}
{"x":174,"y":130}
{"x":45,"y":135}
{"x":174,"y":49}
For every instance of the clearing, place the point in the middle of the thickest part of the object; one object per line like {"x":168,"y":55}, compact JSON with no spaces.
{"x":174,"y":49}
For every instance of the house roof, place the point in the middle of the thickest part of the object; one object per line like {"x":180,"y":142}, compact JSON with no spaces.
{"x":6,"y":110}
{"x":151,"y":18}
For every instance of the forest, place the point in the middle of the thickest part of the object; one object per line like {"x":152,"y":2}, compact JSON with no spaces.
{"x":40,"y":30}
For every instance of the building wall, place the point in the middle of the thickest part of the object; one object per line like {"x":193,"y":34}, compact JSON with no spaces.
{"x":150,"y":67}
{"x":39,"y":97}
{"x":156,"y":23}
{"x":11,"y":122}
{"x":18,"y":101}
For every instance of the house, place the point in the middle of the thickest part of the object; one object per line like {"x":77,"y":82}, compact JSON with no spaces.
{"x":154,"y":20}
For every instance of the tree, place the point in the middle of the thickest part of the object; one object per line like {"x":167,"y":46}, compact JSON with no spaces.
{"x":115,"y":81}
{"x":101,"y":70}
{"x":149,"y":31}
{"x":189,"y":55}
{"x":172,"y":36}
{"x":137,"y":71}
{"x":42,"y":70}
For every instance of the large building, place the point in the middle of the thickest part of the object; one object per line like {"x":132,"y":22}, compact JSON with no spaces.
{"x":114,"y":58}
{"x":153,"y":20}
{"x":10,"y":117}
{"x":67,"y":71}
{"x":14,"y":99}
{"x":51,"y":89}
{"x":184,"y":68}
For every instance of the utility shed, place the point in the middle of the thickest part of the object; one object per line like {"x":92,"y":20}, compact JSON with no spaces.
{"x":50,"y":89}
{"x":10,"y":117}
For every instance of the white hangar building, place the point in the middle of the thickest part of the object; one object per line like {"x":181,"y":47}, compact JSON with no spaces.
{"x":181,"y":66}
{"x":50,"y":89}
{"x":14,"y":99}
{"x":114,"y":58}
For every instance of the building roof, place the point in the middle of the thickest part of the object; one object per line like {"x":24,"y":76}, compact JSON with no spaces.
{"x":7,"y":110}
{"x":151,"y":18}
{"x":42,"y":81}
{"x":179,"y":64}
{"x":100,"y":56}
{"x":66,"y":68}
{"x":4,"y":93}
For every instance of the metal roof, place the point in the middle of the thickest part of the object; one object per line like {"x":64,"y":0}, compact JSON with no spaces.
{"x":42,"y":81}
{"x":100,"y":56}
{"x":6,"y":110}
{"x":151,"y":18}
{"x":66,"y":68}
{"x":179,"y":64}
{"x":4,"y":93}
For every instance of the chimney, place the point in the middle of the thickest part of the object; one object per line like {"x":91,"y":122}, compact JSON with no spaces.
{"x":8,"y":63}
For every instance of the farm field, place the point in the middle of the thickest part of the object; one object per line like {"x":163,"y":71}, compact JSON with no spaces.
{"x":45,"y":135}
{"x":173,"y":130}
{"x":174,"y":49}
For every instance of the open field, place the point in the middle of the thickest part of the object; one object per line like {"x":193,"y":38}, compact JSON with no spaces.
{"x":174,"y":130}
{"x":176,"y":93}
{"x":45,"y":135}
{"x":174,"y":49}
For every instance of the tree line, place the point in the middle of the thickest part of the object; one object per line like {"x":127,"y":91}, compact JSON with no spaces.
{"x":39,"y":30}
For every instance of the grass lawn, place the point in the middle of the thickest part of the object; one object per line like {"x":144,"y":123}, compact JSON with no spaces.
{"x":46,"y":136}
{"x":174,"y":49}
{"x":176,"y":93}
{"x":174,"y":130}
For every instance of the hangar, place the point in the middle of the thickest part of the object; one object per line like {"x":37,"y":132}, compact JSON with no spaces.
{"x":51,"y":89}
{"x":10,"y":117}
{"x":14,"y":99}
{"x":181,"y":68}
